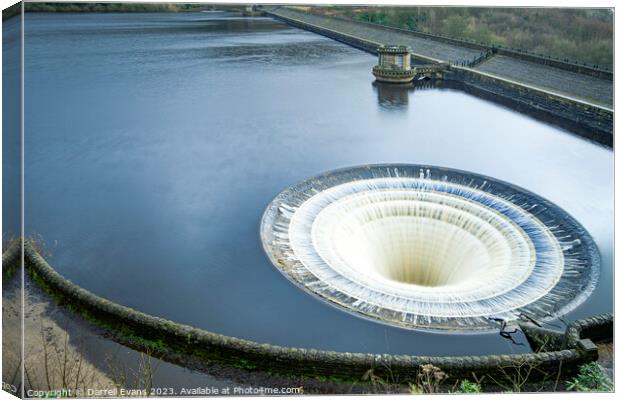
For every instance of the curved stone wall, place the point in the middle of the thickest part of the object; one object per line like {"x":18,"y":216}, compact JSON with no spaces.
{"x":164,"y":337}
{"x":11,"y":257}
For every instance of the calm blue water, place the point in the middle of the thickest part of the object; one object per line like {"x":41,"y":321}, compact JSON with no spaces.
{"x":11,"y":128}
{"x":155,"y":141}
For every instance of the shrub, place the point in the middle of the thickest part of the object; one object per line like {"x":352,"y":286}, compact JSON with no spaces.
{"x":591,"y":378}
{"x":469,"y":387}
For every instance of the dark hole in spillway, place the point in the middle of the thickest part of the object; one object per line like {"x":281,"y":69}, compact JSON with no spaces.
{"x":429,"y":247}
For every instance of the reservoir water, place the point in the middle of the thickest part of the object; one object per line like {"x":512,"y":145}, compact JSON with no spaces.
{"x":154,"y":142}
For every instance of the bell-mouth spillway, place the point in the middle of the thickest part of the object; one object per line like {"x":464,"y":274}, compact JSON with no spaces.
{"x":420,"y":246}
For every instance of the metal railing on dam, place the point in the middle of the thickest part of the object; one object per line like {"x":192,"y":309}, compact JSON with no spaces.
{"x":576,"y":98}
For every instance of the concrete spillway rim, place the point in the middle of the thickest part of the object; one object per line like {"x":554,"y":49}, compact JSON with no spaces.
{"x":578,"y":259}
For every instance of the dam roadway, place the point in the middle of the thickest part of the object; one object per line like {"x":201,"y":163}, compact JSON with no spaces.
{"x":582,"y":89}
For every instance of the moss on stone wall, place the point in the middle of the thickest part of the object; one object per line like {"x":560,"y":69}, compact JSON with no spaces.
{"x":147,"y":332}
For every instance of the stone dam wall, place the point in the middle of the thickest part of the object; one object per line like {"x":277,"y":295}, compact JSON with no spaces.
{"x":563,"y":351}
{"x":522,"y":54}
{"x":578,"y":115}
{"x":582,"y":119}
{"x":362,"y":28}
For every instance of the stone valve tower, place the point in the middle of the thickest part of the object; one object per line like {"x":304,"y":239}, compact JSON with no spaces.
{"x":394,"y":64}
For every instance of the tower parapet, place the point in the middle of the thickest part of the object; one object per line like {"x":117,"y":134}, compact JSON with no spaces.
{"x":252,"y":10}
{"x":394,"y":64}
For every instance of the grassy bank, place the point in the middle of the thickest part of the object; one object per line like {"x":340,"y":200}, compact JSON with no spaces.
{"x":119,"y":7}
{"x":11,"y":11}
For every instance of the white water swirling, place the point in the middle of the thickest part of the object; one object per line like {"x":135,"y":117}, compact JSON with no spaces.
{"x":398,"y":245}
